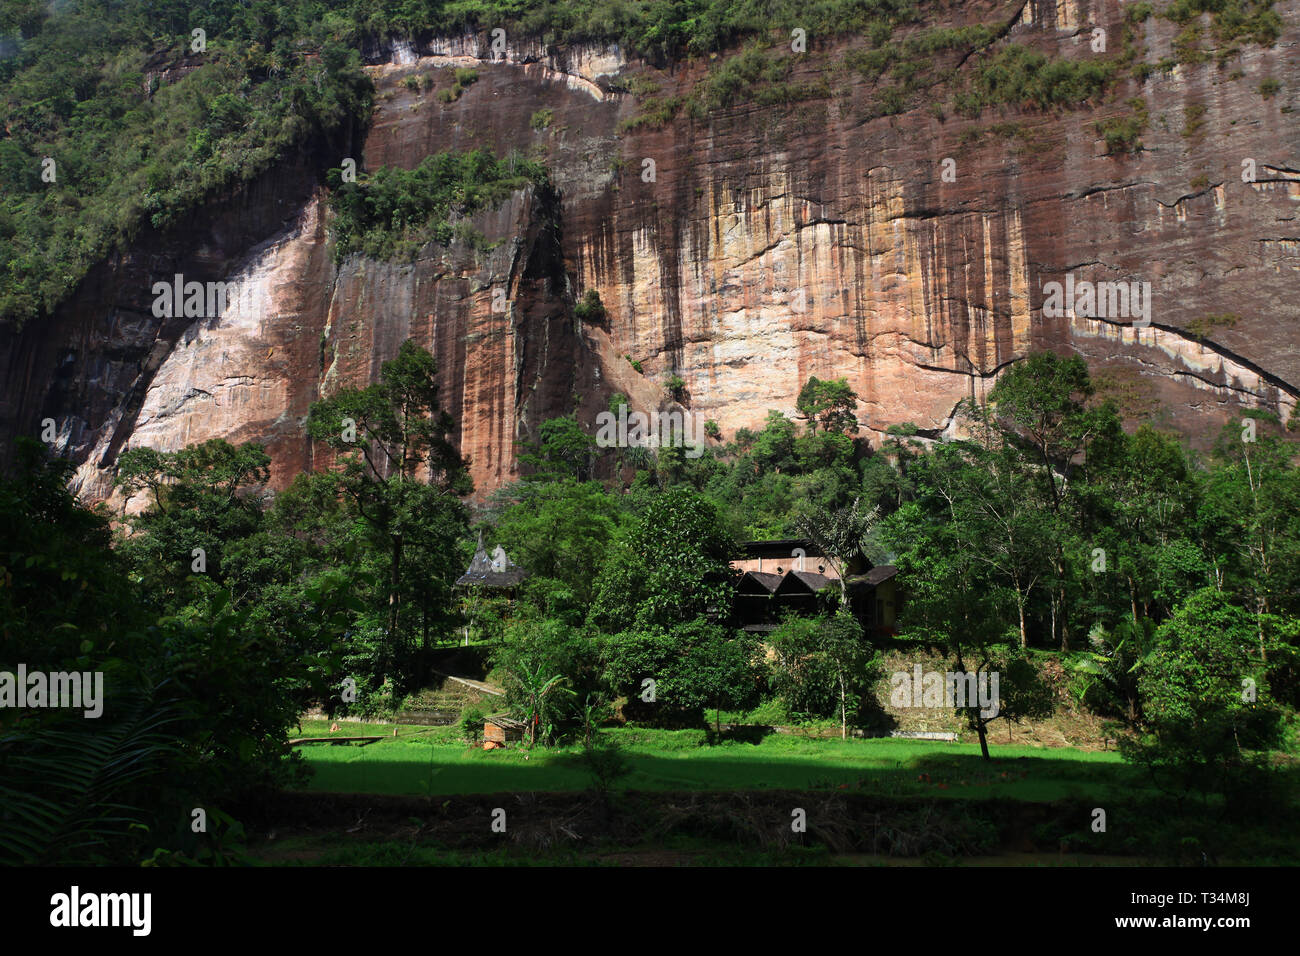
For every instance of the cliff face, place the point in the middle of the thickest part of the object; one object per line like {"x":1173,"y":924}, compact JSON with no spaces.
{"x":771,"y":243}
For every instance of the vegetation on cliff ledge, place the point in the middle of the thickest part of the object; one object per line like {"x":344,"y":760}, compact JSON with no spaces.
{"x":393,"y":212}
{"x":113,"y":121}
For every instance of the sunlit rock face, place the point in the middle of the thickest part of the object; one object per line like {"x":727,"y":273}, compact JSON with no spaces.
{"x":742,"y":252}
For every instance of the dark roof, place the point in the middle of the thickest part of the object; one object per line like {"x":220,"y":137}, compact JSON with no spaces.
{"x":876,"y":576}
{"x":778,"y":548}
{"x":881,"y":573}
{"x":769,"y":582}
{"x":505,"y":722}
{"x":810,"y":580}
{"x":481,"y":572}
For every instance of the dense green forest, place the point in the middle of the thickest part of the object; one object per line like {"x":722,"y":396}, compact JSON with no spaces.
{"x":1163,"y":579}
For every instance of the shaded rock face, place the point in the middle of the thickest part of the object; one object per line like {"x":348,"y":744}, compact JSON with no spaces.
{"x":758,"y":247}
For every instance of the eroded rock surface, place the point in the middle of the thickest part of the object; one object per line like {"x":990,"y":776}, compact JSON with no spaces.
{"x":774,"y":243}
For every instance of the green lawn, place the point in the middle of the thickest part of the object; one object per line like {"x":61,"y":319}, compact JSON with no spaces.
{"x":432,"y":761}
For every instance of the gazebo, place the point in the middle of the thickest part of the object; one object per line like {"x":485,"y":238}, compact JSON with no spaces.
{"x":494,"y":576}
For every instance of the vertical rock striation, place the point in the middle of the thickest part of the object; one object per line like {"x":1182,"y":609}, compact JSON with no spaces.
{"x":771,"y":243}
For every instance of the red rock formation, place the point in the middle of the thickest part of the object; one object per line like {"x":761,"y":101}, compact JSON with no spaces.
{"x":774,"y":243}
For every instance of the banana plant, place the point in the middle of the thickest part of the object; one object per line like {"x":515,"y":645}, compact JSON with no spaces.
{"x":535,"y":692}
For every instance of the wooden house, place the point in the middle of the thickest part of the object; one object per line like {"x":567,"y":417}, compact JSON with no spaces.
{"x":499,"y":730}
{"x":787,"y":575}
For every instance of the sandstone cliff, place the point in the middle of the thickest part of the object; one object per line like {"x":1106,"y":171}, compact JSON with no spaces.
{"x":775,"y":242}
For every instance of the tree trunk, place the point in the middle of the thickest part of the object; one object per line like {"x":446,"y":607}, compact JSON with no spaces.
{"x":984,"y":739}
{"x":844,"y":711}
{"x":1024,"y":634}
{"x":394,"y":587}
{"x":1065,"y":618}
{"x":1261,"y":608}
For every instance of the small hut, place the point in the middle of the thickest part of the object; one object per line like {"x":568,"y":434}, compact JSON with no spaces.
{"x":498,"y":730}
{"x":755,"y":608}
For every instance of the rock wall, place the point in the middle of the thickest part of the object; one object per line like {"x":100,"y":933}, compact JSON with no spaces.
{"x":772,"y":243}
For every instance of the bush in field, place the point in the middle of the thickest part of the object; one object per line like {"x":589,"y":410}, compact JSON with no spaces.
{"x":823,"y":667}
{"x":548,"y":669}
{"x":1205,"y":703}
{"x":470,"y":724}
{"x":693,"y":666}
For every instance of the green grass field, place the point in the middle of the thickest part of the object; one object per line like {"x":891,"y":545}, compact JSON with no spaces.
{"x":432,"y":761}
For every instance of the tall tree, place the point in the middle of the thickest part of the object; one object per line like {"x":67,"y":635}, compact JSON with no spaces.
{"x":560,"y":531}
{"x":563,"y":450}
{"x":671,"y":566}
{"x":397,"y":462}
{"x":1138,"y":507}
{"x":1040,"y":405}
{"x":1252,"y":501}
{"x":202,"y":501}
{"x":992,"y":505}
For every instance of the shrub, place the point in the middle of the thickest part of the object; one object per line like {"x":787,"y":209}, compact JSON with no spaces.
{"x":657,"y":111}
{"x":463,"y":79}
{"x":1199,"y":728}
{"x":605,"y":760}
{"x":470,"y":724}
{"x":1138,"y":13}
{"x":693,"y":665}
{"x":823,"y":667}
{"x":396,"y":211}
{"x":590,"y":310}
{"x":755,"y":75}
{"x":546,"y":667}
{"x":1123,"y":134}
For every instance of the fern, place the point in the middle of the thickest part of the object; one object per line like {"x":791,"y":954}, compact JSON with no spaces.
{"x":68,"y":791}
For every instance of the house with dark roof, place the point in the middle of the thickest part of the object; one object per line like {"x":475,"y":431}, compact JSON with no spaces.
{"x":785,"y":575}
